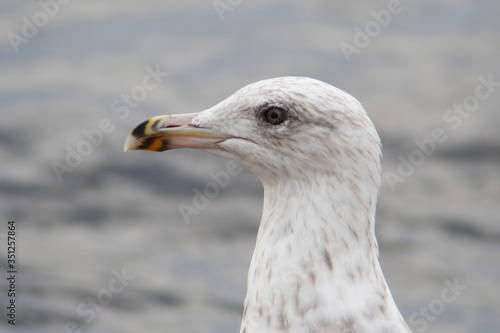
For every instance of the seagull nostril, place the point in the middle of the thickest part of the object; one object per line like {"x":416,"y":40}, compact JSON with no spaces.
{"x":157,"y":125}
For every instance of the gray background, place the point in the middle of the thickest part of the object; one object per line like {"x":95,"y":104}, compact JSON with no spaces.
{"x":117,"y":210}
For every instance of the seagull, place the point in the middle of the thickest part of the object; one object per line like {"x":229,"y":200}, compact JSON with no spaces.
{"x":315,"y":266}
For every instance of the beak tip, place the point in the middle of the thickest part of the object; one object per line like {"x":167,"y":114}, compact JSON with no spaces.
{"x":129,"y":143}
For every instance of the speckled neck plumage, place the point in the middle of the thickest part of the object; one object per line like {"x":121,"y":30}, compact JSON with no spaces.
{"x":315,"y":266}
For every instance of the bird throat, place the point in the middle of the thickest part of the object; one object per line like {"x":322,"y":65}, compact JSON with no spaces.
{"x":315,"y":253}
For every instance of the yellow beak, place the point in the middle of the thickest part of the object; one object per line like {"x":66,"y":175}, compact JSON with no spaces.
{"x":172,"y":131}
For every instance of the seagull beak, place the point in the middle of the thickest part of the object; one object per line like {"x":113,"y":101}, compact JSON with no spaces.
{"x":172,"y":131}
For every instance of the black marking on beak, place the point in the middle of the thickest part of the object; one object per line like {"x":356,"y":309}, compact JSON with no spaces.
{"x":140,"y":129}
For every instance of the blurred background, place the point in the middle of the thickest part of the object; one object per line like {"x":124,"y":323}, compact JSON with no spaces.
{"x":102,"y":244}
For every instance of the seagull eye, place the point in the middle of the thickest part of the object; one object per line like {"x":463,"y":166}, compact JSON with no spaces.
{"x":274,"y":116}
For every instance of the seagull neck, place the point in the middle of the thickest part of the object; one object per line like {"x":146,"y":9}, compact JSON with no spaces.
{"x":337,"y":215}
{"x":316,"y":253}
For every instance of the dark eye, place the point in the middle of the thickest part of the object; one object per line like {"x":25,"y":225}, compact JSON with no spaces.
{"x":274,"y":116}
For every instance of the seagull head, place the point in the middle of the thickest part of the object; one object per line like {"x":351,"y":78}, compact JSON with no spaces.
{"x":291,"y":127}
{"x":318,"y":155}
